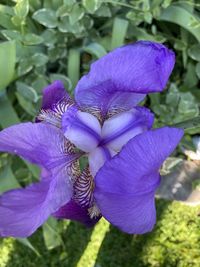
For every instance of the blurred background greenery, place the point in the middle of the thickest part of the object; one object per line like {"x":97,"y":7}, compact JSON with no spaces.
{"x":44,"y":40}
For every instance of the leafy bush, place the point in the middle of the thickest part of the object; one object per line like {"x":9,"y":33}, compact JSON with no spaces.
{"x":59,"y":39}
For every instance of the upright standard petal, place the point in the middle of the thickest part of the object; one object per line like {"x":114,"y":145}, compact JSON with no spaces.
{"x":82,"y":129}
{"x":125,"y":185}
{"x":55,"y":103}
{"x":22,"y":211}
{"x":139,"y":68}
{"x":52,"y":94}
{"x":119,"y":129}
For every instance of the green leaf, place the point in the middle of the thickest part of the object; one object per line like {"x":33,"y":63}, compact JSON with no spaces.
{"x":46,"y":17}
{"x":26,"y":105}
{"x":103,"y":11}
{"x":7,"y":179}
{"x":25,"y":52}
{"x":145,"y":5}
{"x":24,"y":67}
{"x":95,"y":49}
{"x":119,"y":30}
{"x":7,"y":63}
{"x":65,"y":26}
{"x":194,"y":52}
{"x":64,"y":10}
{"x":22,"y":8}
{"x":197,"y":69}
{"x":55,"y":4}
{"x":28,"y":244}
{"x":50,"y":37}
{"x":39,"y":59}
{"x":55,"y":53}
{"x":173,"y":96}
{"x":169,"y":164}
{"x":182,"y":17}
{"x":166,"y":3}
{"x":87,"y":22}
{"x":35,"y":170}
{"x":7,"y":108}
{"x":6,"y":10}
{"x":155,"y":99}
{"x":142,"y":34}
{"x":27,"y":92}
{"x":36,"y":4}
{"x":32,"y":39}
{"x":190,"y":79}
{"x":5,"y":21}
{"x":187,"y":107}
{"x":73,"y":66}
{"x":76,"y":14}
{"x":91,"y":5}
{"x":148,"y":17}
{"x":51,"y":236}
{"x":188,"y":124}
{"x":69,"y":2}
{"x":17,"y":21}
{"x":39,"y":83}
{"x":11,"y":35}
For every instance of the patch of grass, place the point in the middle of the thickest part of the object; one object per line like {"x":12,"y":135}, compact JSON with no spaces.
{"x":175,"y":241}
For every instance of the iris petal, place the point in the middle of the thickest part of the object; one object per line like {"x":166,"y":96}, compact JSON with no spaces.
{"x":52,"y":94}
{"x":55,"y":103}
{"x":82,"y":129}
{"x":22,"y":211}
{"x":132,"y":214}
{"x":83,"y":189}
{"x":73,"y":211}
{"x":125,"y":185}
{"x":119,"y":129}
{"x":115,"y":80}
{"x":38,"y":143}
{"x":98,"y":157}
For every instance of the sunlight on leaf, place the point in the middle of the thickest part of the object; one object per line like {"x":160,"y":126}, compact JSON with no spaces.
{"x":51,"y":235}
{"x":119,"y":32}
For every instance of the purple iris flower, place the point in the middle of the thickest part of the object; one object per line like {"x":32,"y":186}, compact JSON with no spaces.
{"x":105,"y":125}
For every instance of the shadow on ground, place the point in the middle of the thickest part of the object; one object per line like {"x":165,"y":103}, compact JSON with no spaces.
{"x":119,"y":249}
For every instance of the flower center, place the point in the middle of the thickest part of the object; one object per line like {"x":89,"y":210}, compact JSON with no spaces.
{"x":100,"y":143}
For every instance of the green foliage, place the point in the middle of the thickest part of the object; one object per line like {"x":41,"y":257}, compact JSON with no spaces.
{"x":58,"y":39}
{"x":174,"y":242}
{"x":63,"y":37}
{"x":7,"y":63}
{"x":49,"y":36}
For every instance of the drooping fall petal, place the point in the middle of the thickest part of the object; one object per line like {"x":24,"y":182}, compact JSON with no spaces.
{"x":22,"y":211}
{"x":125,"y":185}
